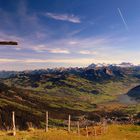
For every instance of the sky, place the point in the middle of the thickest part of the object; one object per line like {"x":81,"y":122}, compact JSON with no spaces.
{"x":68,"y":33}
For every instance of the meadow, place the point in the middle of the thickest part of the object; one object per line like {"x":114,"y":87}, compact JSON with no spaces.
{"x":114,"y":132}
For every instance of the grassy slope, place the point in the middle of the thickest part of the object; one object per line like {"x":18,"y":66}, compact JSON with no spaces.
{"x":73,"y":95}
{"x":74,"y":92}
{"x":76,"y":87}
{"x":115,"y":132}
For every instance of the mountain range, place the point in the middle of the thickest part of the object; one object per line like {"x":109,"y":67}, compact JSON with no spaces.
{"x":91,"y":91}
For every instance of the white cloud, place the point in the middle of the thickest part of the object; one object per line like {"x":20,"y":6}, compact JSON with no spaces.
{"x":9,"y":37}
{"x":86,"y":52}
{"x":3,"y":60}
{"x":44,"y":48}
{"x":40,"y":48}
{"x":64,"y":17}
{"x":72,"y":33}
{"x":71,"y":61}
{"x":83,"y":46}
{"x":79,"y":61}
{"x":73,"y":42}
{"x":58,"y":50}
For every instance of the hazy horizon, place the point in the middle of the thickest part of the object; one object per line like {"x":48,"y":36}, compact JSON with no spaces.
{"x":62,"y":33}
{"x":68,"y":66}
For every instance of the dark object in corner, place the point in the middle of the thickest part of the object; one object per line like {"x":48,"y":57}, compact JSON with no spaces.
{"x":8,"y":43}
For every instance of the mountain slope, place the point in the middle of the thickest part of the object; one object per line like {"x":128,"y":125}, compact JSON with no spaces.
{"x":75,"y":91}
{"x":135,"y":93}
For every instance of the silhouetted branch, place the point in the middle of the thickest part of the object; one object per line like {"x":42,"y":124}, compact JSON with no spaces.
{"x":8,"y":43}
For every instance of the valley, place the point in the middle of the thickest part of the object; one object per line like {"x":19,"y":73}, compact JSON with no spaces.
{"x":102,"y":91}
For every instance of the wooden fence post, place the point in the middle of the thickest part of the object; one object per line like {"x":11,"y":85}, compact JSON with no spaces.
{"x":13,"y":123}
{"x":104,"y":126}
{"x":87,"y":131}
{"x":69,"y":121}
{"x":46,"y":121}
{"x":78,"y":128}
{"x":95,"y":132}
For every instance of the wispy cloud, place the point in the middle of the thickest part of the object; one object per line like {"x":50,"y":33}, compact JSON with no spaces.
{"x":71,"y":61}
{"x":87,"y":52}
{"x":64,"y":17}
{"x":45,"y":48}
{"x":79,"y":61}
{"x":122,"y":17}
{"x":72,"y":46}
{"x":73,"y":42}
{"x":5,"y":60}
{"x":58,"y":50}
{"x":40,"y":48}
{"x":54,"y":60}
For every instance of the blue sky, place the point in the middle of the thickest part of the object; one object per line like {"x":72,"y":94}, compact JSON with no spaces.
{"x":69,"y":33}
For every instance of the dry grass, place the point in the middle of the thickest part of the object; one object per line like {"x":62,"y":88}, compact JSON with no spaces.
{"x":114,"y":132}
